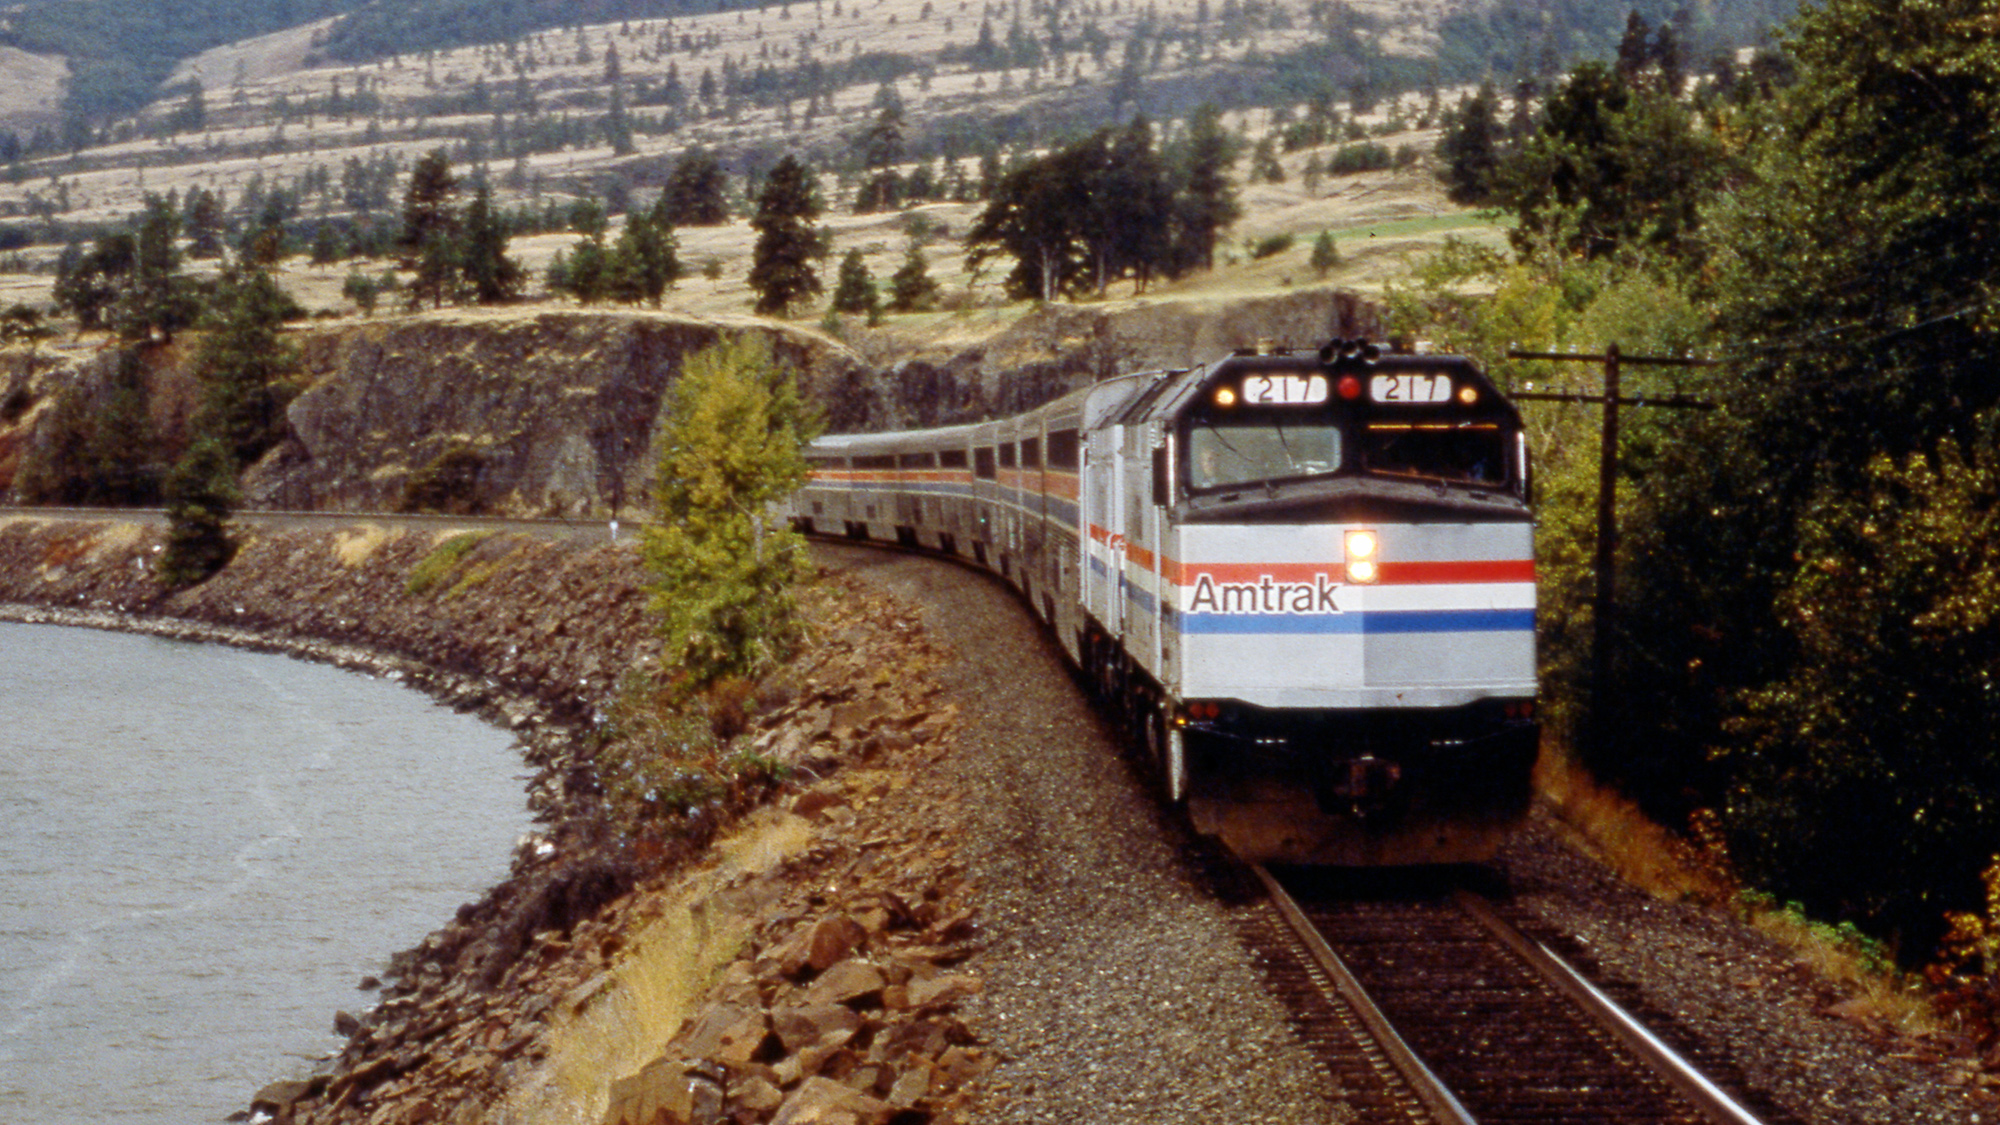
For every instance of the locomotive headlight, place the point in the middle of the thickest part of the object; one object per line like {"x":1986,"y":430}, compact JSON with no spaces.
{"x":1225,"y":396}
{"x":1468,"y":394}
{"x":1361,"y":561}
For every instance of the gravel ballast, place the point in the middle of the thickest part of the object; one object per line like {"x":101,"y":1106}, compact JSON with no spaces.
{"x":1118,"y":988}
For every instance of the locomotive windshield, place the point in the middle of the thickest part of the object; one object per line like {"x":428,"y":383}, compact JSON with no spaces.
{"x":1242,"y":451}
{"x":1270,"y":422}
{"x":1472,"y":453}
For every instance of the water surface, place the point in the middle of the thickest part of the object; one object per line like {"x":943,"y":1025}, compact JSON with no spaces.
{"x":202,"y":850}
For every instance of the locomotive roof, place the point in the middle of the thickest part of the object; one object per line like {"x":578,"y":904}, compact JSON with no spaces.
{"x":1173,"y":391}
{"x":1148,"y":396}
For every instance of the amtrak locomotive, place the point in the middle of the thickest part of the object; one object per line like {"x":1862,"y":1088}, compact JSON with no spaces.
{"x":1304,"y":581}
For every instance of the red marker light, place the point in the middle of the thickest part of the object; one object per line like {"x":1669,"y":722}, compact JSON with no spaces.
{"x":1348,"y":388}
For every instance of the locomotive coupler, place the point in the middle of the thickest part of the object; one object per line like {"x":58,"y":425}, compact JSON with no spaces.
{"x":1363,"y":789}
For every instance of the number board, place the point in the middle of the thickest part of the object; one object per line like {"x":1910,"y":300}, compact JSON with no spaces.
{"x":1284,"y":390}
{"x":1410,"y":390}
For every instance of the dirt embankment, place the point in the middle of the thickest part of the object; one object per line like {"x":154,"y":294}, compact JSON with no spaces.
{"x":775,"y":962}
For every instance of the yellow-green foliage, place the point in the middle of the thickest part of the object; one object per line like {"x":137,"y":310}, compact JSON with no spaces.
{"x":731,"y":444}
{"x":1473,"y":300}
{"x":437,"y":566}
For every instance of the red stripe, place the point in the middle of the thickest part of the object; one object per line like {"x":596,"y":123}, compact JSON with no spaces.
{"x":1392,"y":574}
{"x":1185,"y":574}
{"x":1458,"y":570}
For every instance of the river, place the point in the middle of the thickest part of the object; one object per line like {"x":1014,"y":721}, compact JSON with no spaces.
{"x":202,"y":851}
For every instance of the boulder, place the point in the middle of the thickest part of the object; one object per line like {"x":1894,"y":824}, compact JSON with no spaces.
{"x":822,"y":1101}
{"x":727,"y":1033}
{"x":941,"y":991}
{"x":815,"y":1025}
{"x":850,"y":982}
{"x":658,"y":1093}
{"x":833,"y":940}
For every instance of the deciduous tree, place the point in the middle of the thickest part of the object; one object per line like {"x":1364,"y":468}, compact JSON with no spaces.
{"x":724,"y":567}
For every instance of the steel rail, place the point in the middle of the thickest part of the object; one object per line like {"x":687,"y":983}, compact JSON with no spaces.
{"x":1704,"y":1095}
{"x":1437,"y":1099}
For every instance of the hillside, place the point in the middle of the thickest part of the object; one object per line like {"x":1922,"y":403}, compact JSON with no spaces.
{"x":598,"y":112}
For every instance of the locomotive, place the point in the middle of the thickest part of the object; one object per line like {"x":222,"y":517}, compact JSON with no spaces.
{"x":1303,"y":580}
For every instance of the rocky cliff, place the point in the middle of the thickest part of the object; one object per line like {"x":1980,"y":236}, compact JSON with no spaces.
{"x":552,"y":412}
{"x":556,"y":410}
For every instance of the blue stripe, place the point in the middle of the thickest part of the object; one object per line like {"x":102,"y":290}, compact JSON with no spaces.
{"x":1375,"y":623}
{"x":1144,"y":600}
{"x":1063,"y":511}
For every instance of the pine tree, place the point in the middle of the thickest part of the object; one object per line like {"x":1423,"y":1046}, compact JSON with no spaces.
{"x":731,"y":442}
{"x":493,"y":277}
{"x":203,"y":224}
{"x":1264,"y":162}
{"x":1325,"y":254}
{"x":1470,"y":148}
{"x":200,"y":492}
{"x":362,"y":290}
{"x":646,"y":259}
{"x":696,"y":191}
{"x":244,"y":364}
{"x":156,"y":300}
{"x":429,"y":239}
{"x":911,"y":287}
{"x":1207,"y":198}
{"x":854,"y":289}
{"x":781,"y":269}
{"x":88,"y":281}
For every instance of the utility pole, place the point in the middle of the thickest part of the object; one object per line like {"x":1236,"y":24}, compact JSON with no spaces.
{"x":1604,"y":604}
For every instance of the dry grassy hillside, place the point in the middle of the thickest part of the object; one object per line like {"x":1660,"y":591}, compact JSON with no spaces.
{"x":1377,"y":217}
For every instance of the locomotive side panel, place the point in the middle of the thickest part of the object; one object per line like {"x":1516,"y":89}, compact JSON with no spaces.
{"x":1146,"y":558}
{"x":1102,"y":516}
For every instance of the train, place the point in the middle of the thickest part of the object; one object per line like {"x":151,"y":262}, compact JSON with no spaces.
{"x":1302,"y":581}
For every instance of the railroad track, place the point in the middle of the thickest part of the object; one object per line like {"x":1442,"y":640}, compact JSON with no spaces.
{"x":1432,"y":1008}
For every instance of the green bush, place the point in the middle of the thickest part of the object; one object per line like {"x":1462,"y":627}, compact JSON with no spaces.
{"x":1271,"y":245}
{"x":1864,"y":781}
{"x":438,"y":566}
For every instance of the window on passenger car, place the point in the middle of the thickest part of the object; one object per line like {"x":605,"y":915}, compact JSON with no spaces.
{"x":918,"y":460}
{"x":1063,"y":449}
{"x":1007,"y":455}
{"x":951,"y":458}
{"x":1031,"y":453}
{"x":876,"y":461}
{"x":982,"y":463}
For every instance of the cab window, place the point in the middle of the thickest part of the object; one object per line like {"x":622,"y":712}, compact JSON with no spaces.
{"x":1244,"y":451}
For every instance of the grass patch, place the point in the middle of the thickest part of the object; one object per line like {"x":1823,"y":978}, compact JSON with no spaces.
{"x":437,"y":566}
{"x":353,"y":548}
{"x":1613,"y":829}
{"x":1670,"y":866}
{"x":1430,"y":224}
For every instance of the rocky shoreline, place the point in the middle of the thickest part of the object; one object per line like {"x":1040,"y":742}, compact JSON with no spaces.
{"x":834,"y":991}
